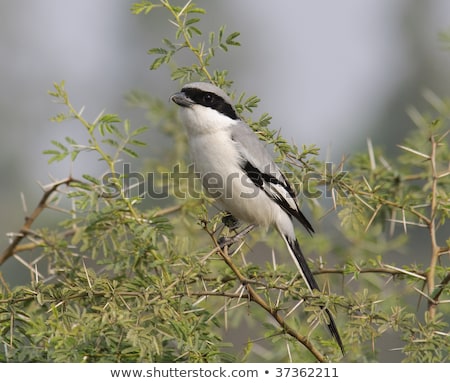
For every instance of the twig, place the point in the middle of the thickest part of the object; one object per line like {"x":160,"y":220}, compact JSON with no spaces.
{"x":218,"y":294}
{"x":41,"y":206}
{"x":432,"y":229}
{"x":387,"y":269}
{"x":167,"y":210}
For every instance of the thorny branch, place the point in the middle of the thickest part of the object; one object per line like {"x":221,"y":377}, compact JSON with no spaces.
{"x":428,"y":220}
{"x":25,"y":231}
{"x":41,"y":206}
{"x":253,"y":296}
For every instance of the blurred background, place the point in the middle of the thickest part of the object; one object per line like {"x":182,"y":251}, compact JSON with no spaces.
{"x":330,"y":73}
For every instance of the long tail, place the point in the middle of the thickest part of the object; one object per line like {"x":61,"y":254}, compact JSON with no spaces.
{"x":308,"y":277}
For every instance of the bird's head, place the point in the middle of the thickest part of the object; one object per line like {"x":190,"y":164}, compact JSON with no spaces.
{"x":204,"y":107}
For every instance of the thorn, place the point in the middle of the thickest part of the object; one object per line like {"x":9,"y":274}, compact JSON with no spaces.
{"x":274,"y":261}
{"x":426,"y":156}
{"x":24,"y":203}
{"x":373,"y":165}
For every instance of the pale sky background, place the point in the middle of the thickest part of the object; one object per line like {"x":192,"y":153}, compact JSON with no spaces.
{"x":330,"y":72}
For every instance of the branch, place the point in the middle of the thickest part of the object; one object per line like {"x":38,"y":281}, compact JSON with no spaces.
{"x":255,"y":297}
{"x":180,"y":22}
{"x":41,"y":206}
{"x":387,"y":269}
{"x":167,"y":210}
{"x":383,"y":201}
{"x":218,"y":294}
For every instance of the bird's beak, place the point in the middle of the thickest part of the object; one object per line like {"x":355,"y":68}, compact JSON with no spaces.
{"x":181,"y":99}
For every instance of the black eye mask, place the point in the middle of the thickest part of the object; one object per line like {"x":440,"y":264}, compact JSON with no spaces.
{"x":211,"y":100}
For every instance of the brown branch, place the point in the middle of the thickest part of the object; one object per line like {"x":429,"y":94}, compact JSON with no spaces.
{"x":38,"y":243}
{"x":255,"y":297}
{"x":394,"y":272}
{"x":41,"y":206}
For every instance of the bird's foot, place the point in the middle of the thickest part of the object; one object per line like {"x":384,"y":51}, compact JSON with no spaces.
{"x":228,"y":241}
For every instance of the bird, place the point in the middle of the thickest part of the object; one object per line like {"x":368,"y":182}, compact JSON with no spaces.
{"x":238,"y":171}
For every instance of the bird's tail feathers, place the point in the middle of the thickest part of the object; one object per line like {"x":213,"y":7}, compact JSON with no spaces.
{"x":296,"y":253}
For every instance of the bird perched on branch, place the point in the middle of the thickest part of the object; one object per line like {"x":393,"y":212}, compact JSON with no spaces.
{"x":238,"y":170}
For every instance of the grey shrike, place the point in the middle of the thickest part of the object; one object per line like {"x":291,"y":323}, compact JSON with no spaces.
{"x":239,"y":172}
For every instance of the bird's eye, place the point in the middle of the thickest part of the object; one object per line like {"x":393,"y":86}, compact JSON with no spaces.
{"x":208,"y":99}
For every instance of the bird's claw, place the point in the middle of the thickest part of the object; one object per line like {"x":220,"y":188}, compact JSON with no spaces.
{"x":228,"y":241}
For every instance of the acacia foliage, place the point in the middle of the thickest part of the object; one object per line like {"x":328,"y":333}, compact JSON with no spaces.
{"x":116,"y":280}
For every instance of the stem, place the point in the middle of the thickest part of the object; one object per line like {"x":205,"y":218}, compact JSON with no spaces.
{"x":435,"y":249}
{"x":180,"y":18}
{"x":385,"y":202}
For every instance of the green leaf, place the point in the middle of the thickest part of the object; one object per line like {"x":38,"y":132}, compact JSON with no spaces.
{"x":74,"y":155}
{"x":130,"y":152}
{"x":221,"y":32}
{"x":109,"y":118}
{"x":111,"y":142}
{"x":169,"y":43}
{"x":192,"y":21}
{"x":71,"y":141}
{"x":231,"y":39}
{"x":158,"y":62}
{"x":144,"y":6}
{"x":158,"y":51}
{"x":51,"y":151}
{"x":183,"y":73}
{"x":59,"y":145}
{"x":195,"y":30}
{"x":137,"y":143}
{"x":113,"y":129}
{"x":139,"y":130}
{"x":197,"y":10}
{"x":57,"y":156}
{"x":90,"y":178}
{"x":264,"y":120}
{"x":212,"y":36}
{"x":60,"y":117}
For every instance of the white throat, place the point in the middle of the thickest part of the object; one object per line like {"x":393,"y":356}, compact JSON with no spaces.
{"x":202,"y":120}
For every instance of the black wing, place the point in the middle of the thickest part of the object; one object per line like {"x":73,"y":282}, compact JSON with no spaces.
{"x":278,"y":190}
